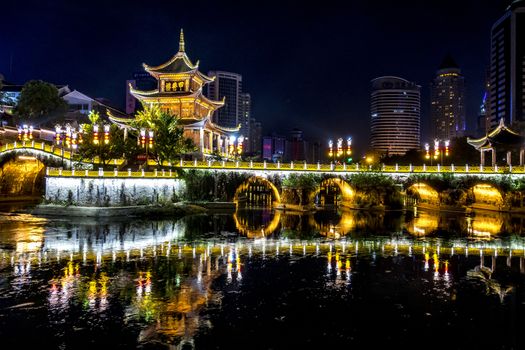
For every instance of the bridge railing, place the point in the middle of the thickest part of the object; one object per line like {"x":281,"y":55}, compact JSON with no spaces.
{"x":280,"y":166}
{"x":54,"y":172}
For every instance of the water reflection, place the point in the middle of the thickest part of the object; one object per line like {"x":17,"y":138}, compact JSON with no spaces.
{"x":172,"y":282}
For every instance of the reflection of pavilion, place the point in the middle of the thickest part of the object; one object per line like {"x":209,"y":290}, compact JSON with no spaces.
{"x":502,"y":138}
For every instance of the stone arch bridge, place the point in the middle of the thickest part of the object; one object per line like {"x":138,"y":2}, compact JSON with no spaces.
{"x":23,"y":166}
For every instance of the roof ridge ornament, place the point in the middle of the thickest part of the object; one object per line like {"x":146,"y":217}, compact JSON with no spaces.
{"x":181,"y":41}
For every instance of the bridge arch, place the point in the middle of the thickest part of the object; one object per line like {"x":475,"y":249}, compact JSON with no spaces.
{"x":347,"y":192}
{"x":424,"y":193}
{"x":260,"y":230}
{"x":21,"y":175}
{"x":486,"y":196}
{"x":249,"y":188}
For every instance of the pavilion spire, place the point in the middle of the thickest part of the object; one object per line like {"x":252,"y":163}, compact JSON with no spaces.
{"x":181,"y":41}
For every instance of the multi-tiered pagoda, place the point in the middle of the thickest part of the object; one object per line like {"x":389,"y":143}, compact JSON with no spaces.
{"x":179,"y":92}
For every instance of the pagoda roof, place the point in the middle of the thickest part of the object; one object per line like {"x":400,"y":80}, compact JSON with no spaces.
{"x":502,"y":136}
{"x":179,"y":63}
{"x":206,"y":122}
{"x":159,"y":94}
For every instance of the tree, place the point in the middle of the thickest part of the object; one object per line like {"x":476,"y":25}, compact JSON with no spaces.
{"x":170,"y":142}
{"x":39,"y":99}
{"x":117,"y":147}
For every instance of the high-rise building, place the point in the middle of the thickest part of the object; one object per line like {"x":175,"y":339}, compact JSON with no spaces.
{"x":245,"y":113}
{"x":228,"y":86}
{"x":142,"y":81}
{"x":255,"y":138}
{"x":447,"y":108}
{"x":507,"y":68}
{"x":395,"y":113}
{"x":296,"y":148}
{"x":273,"y":147}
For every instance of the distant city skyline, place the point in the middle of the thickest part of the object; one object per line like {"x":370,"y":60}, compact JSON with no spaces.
{"x":283,"y":61}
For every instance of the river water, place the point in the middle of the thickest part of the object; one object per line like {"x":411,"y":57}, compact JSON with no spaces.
{"x":261,"y":279}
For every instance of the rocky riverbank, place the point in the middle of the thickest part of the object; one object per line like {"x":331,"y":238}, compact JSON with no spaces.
{"x":146,"y":211}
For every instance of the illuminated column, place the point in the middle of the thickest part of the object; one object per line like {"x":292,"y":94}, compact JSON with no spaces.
{"x":482,"y":153}
{"x":210,"y":140}
{"x":493,"y":156}
{"x":522,"y":154}
{"x":201,"y":139}
{"x":509,"y":158}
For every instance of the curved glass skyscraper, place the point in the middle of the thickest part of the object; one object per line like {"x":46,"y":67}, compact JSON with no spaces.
{"x":395,"y":112}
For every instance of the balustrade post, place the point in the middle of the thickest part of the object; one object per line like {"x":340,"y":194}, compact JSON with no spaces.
{"x":356,"y":166}
{"x":424,"y":168}
{"x":291,"y":165}
{"x":264,"y":164}
{"x":452,"y":168}
{"x":129,"y":172}
{"x":47,"y":171}
{"x":73,"y":172}
{"x":86,"y":172}
{"x":318,"y":166}
{"x":305,"y":166}
{"x":439,"y":168}
{"x":481,"y":168}
{"x":278,"y":165}
{"x":156,"y":172}
{"x":251,"y":164}
{"x":195,"y":163}
{"x":181,"y":163}
{"x":100,"y":172}
{"x":163,"y":173}
{"x":495,"y":168}
{"x":397,"y":167}
{"x":43,"y":145}
{"x":344,"y":166}
{"x":223,"y":164}
{"x":143,"y":174}
{"x":466,"y":168}
{"x":410,"y":168}
{"x":60,"y":172}
{"x":236,"y":163}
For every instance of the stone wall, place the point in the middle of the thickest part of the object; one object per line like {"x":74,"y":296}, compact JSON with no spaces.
{"x":106,"y":192}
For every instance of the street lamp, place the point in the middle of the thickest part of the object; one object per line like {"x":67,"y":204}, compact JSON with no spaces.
{"x":25,"y":132}
{"x":146,"y":141}
{"x":339,"y":147}
{"x":240,"y":140}
{"x":438,"y":150}
{"x":330,"y":149}
{"x":231,"y":146}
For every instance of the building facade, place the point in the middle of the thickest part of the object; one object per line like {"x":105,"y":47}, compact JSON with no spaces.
{"x":255,"y":138}
{"x":507,"y":68}
{"x":447,"y":107}
{"x":227,"y":86}
{"x":245,"y":113}
{"x":395,"y":115}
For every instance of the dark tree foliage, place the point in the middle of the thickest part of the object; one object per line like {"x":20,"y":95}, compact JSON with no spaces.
{"x":39,"y":100}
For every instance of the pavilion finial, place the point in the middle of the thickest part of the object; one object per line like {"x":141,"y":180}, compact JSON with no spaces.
{"x":181,"y":41}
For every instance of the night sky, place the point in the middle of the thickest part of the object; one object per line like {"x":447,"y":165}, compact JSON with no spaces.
{"x":306,"y":66}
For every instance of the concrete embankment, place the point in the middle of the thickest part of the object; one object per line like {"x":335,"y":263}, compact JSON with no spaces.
{"x":149,"y":211}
